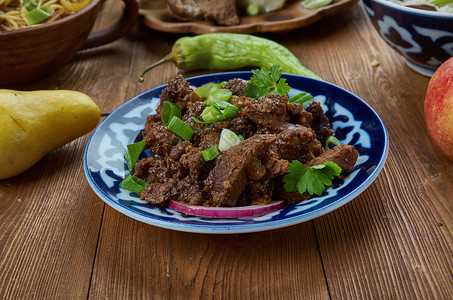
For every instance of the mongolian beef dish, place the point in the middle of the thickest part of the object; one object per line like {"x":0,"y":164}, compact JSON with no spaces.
{"x":238,"y":143}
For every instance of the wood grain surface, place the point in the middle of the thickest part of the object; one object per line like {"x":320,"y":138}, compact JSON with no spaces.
{"x":58,"y":240}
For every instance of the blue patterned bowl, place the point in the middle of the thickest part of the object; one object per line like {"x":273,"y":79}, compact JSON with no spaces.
{"x":423,"y":38}
{"x":352,"y":119}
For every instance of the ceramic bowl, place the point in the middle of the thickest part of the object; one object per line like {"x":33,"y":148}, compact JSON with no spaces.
{"x":30,"y":53}
{"x":424,"y":38}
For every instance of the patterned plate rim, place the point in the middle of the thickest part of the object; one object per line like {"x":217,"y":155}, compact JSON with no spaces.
{"x":219,"y":226}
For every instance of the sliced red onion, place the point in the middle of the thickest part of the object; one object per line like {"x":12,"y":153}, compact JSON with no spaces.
{"x":226,"y":212}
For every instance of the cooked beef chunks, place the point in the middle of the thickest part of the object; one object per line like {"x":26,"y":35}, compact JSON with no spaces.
{"x":159,"y":138}
{"x":269,"y":112}
{"x":345,"y":156}
{"x":296,"y":142}
{"x":276,"y":132}
{"x":158,"y":170}
{"x":194,"y":162}
{"x":298,"y":115}
{"x":175,"y":91}
{"x":158,"y":193}
{"x":190,"y":191}
{"x":256,"y":193}
{"x":236,"y":86}
{"x":237,"y":166}
{"x":222,"y":12}
{"x":291,"y":197}
{"x":320,"y":123}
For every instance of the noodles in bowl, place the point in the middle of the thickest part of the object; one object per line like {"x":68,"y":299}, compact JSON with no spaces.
{"x":38,"y":50}
{"x":19,"y":14}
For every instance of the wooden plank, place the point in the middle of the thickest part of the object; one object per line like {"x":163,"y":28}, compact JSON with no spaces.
{"x":50,"y":218}
{"x":387,"y":243}
{"x":136,"y":260}
{"x":49,"y":224}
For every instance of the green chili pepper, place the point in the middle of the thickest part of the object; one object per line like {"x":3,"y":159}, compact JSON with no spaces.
{"x":227,"y":51}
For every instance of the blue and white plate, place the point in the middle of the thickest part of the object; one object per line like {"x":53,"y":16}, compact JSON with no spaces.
{"x":353,"y":121}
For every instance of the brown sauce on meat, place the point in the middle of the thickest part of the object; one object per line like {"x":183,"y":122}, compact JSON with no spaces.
{"x":275,"y":131}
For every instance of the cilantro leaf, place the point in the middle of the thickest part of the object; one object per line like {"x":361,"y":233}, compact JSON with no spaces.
{"x":311,"y":179}
{"x":295,"y":171}
{"x":265,"y":82}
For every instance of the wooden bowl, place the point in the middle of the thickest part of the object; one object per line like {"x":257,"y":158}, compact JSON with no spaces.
{"x":29,"y":53}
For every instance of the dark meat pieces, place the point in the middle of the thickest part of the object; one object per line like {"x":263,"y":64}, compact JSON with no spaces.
{"x":291,"y":197}
{"x":276,"y":132}
{"x":235,"y":167}
{"x":345,"y":156}
{"x":269,"y":112}
{"x":158,"y":193}
{"x":296,"y":142}
{"x":223,"y":12}
{"x":320,"y":123}
{"x":257,"y":193}
{"x":298,"y":115}
{"x":158,"y":170}
{"x":159,"y":138}
{"x":194,"y":162}
{"x":236,"y":86}
{"x":177,"y":91}
{"x":190,"y":191}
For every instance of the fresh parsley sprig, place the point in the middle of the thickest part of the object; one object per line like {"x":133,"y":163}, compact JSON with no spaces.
{"x":311,"y":179}
{"x":265,"y":82}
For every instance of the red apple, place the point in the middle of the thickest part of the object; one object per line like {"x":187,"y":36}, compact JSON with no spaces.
{"x":439,"y":108}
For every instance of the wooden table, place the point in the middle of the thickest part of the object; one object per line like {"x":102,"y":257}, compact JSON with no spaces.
{"x":394,"y":241}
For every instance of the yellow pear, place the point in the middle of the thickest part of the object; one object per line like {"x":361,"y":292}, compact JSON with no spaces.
{"x":37,"y":122}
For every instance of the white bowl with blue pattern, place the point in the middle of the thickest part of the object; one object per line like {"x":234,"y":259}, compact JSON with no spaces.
{"x":424,"y":38}
{"x":353,"y":121}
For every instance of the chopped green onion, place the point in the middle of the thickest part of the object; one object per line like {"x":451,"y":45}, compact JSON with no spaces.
{"x":210,"y":153}
{"x":333,"y":140}
{"x":219,"y":95}
{"x":169,"y":110}
{"x":300,"y":98}
{"x":228,"y":139}
{"x":202,"y":122}
{"x":241,"y":137}
{"x":38,"y":15}
{"x":314,"y":4}
{"x":180,"y":128}
{"x":306,"y":104}
{"x":229,"y":111}
{"x":133,"y":152}
{"x":133,"y":184}
{"x":221,"y":105}
{"x":253,"y":9}
{"x":205,"y":90}
{"x":440,"y":2}
{"x":212,"y":116}
{"x":30,"y":4}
